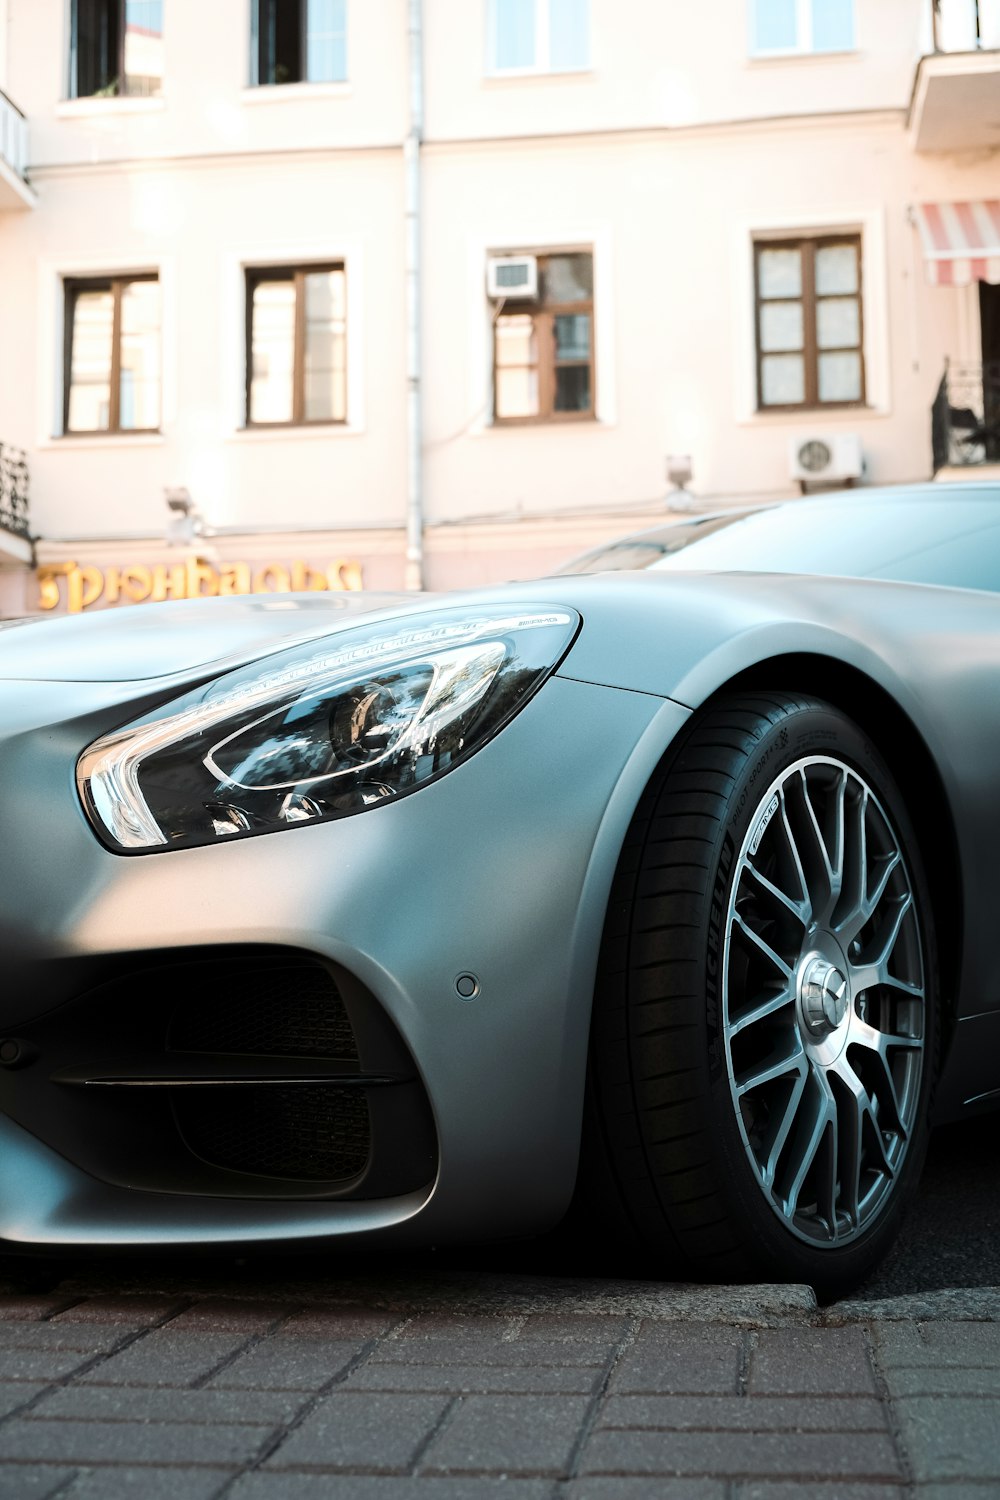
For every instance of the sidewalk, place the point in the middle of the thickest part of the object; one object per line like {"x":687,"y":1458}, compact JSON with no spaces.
{"x":726,"y":1394}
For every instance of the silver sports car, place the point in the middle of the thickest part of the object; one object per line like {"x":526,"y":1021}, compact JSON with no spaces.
{"x":403,"y":919}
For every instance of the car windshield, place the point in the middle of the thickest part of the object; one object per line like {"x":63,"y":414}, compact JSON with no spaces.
{"x":948,"y":538}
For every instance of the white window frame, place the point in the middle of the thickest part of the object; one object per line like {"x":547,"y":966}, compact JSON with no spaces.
{"x":542,"y":64}
{"x":803,"y":34}
{"x":870,"y":224}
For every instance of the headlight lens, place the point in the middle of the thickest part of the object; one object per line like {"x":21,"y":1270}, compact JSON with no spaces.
{"x":319,"y":732}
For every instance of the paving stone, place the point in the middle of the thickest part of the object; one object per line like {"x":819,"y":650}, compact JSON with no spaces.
{"x":479,"y":1379}
{"x":481,"y":1351}
{"x":951,"y":1437}
{"x":87,"y":1337}
{"x":339,"y":1324}
{"x":362,"y":1430}
{"x":285,"y":1363}
{"x":745,"y":1414}
{"x":16,"y":1393}
{"x":129,"y":1442}
{"x":455,"y":1326}
{"x":119,"y":1404}
{"x":776,"y":1490}
{"x":166,"y":1357}
{"x":944,"y":1344}
{"x":146,"y":1484}
{"x":935,"y":1381}
{"x":131,"y":1312}
{"x":575,"y":1327}
{"x":41,"y":1364}
{"x":510,"y":1434}
{"x":264,"y":1486}
{"x":28,"y":1308}
{"x":671,"y":1358}
{"x":17,"y":1482}
{"x":596,"y":1487}
{"x":227,"y":1314}
{"x":804,"y":1455}
{"x":801,"y":1360}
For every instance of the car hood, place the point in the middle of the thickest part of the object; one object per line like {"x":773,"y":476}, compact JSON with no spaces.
{"x":181,"y":636}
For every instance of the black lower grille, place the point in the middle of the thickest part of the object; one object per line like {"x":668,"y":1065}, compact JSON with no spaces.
{"x":279,"y":1010}
{"x":310,"y":1132}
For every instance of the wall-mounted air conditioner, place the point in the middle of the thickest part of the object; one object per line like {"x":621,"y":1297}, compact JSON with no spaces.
{"x":512,"y":276}
{"x":826,"y":457}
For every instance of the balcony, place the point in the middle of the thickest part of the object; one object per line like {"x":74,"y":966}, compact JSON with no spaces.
{"x":15,"y":534}
{"x":955,"y":104}
{"x":965,"y":421}
{"x":14,"y":189}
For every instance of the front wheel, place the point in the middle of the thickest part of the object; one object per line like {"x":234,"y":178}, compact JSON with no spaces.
{"x":764,"y":1041}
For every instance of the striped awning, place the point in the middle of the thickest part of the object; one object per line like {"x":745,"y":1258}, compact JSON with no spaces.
{"x":961,"y":241}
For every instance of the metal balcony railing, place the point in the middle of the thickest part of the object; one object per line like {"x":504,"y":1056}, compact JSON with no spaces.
{"x":965,"y":25}
{"x":13,"y":136}
{"x":965,"y":417}
{"x":14,"y":490}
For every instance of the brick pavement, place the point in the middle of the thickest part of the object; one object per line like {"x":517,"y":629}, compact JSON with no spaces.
{"x":216,"y":1398}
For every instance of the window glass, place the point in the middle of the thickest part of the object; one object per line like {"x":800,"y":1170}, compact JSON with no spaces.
{"x":515,"y":33}
{"x":569,"y":44}
{"x":775,"y":25}
{"x":139,"y":401}
{"x":839,"y":377}
{"x":906,"y":537}
{"x":782,"y":379}
{"x":836,"y":269}
{"x":566,"y":278}
{"x":781,"y":325}
{"x":516,"y":366}
{"x":838,"y":323}
{"x":326,"y":41}
{"x":272,"y":351}
{"x":325,"y":394}
{"x":143,"y":47}
{"x":832,"y":25}
{"x":94,"y":59}
{"x":91,"y":342}
{"x":780,"y":273}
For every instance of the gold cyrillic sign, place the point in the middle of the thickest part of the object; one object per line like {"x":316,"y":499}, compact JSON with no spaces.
{"x":192,"y":579}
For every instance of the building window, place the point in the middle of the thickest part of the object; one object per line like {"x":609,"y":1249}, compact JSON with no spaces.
{"x":111,"y":379}
{"x":116,"y":48}
{"x":299,"y":41}
{"x":539,"y":36}
{"x":296,"y":345}
{"x":790,"y":26}
{"x":543,"y":365}
{"x":809,"y":322}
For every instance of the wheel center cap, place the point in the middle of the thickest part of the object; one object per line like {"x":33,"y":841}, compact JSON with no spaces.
{"x":823,"y":996}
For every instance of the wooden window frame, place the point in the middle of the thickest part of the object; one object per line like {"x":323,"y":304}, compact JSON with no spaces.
{"x":72,"y":287}
{"x":807,"y":245}
{"x":545,"y":330}
{"x":255,"y":276}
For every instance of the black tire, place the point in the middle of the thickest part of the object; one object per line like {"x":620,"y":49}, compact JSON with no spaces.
{"x":676,"y":1158}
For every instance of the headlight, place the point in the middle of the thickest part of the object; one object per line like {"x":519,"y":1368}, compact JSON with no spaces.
{"x":319,"y":732}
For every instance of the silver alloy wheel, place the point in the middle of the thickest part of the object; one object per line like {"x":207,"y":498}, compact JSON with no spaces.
{"x":823,"y":1001}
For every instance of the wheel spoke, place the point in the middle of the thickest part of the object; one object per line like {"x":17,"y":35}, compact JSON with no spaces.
{"x":787,"y":1121}
{"x":867,"y":1125}
{"x":763,"y":947}
{"x":854,"y":870}
{"x":875,"y":971}
{"x":761,"y":1011}
{"x":823,"y":879}
{"x":817,"y":1130}
{"x":770,"y":1073}
{"x":798,"y":909}
{"x":793,"y":850}
{"x":859,"y":918}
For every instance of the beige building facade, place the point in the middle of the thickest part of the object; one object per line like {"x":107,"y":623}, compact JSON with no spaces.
{"x":256,"y":260}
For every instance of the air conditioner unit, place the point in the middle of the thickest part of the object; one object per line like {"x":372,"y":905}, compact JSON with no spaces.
{"x":512,"y":276}
{"x":825,"y":457}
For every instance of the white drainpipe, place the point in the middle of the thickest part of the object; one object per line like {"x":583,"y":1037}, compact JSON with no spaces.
{"x":414,"y":577}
